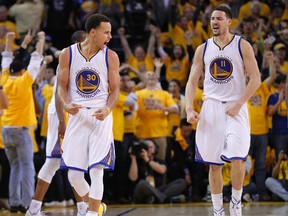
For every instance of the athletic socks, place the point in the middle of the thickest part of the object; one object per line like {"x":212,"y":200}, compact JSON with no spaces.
{"x":35,"y":206}
{"x":236,"y":194}
{"x":217,"y":200}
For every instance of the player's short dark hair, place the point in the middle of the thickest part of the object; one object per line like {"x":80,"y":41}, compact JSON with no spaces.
{"x":78,"y":36}
{"x":94,"y":21}
{"x":225,"y":8}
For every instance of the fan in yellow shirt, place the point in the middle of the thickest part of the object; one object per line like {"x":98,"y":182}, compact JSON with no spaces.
{"x":47,"y":93}
{"x":138,"y":59}
{"x":175,"y":118}
{"x":18,"y":118}
{"x":245,"y":10}
{"x":257,"y":106}
{"x":153,"y":106}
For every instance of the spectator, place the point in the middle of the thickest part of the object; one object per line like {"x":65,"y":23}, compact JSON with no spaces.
{"x":6,"y":26}
{"x":257,"y":106}
{"x":154,"y":104}
{"x":179,"y":99}
{"x":121,"y":172}
{"x":139,"y":58}
{"x":278,"y":182}
{"x":277,"y":109}
{"x":182,"y":164}
{"x":27,"y":15}
{"x":61,"y":21}
{"x":15,"y":130}
{"x":147,"y":172}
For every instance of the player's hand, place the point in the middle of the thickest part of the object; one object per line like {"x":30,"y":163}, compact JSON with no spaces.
{"x":101,"y":113}
{"x":233,"y":109}
{"x":61,"y":129}
{"x":72,"y":108}
{"x":193,"y":117}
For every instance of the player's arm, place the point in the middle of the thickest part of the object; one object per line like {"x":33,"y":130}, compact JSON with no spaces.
{"x":114,"y":79}
{"x":250,"y":65}
{"x":60,"y":113}
{"x":252,"y":69}
{"x":196,"y":71}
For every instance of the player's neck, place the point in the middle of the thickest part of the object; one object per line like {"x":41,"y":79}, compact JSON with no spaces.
{"x":223,"y":39}
{"x":87,"y":49}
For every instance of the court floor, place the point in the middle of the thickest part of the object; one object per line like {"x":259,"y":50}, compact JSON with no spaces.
{"x":187,"y":209}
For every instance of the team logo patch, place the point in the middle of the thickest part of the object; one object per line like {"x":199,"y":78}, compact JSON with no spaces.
{"x":87,"y":81}
{"x":221,"y":68}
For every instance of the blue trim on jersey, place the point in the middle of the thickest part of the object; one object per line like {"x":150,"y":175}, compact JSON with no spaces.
{"x":73,"y":168}
{"x":224,"y":158}
{"x":210,"y":163}
{"x":239,"y":48}
{"x":54,"y":156}
{"x":106,"y":57}
{"x":204,"y":51}
{"x":70,"y":57}
{"x":107,"y":167}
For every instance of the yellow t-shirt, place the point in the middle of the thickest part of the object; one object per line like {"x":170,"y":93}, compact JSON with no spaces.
{"x":9,"y":27}
{"x":118,"y":118}
{"x":257,"y":106}
{"x":283,"y":165}
{"x":47,"y":93}
{"x":142,"y":66}
{"x":21,"y":110}
{"x":199,"y":35}
{"x":245,"y":11}
{"x":177,"y":69}
{"x":152,"y":122}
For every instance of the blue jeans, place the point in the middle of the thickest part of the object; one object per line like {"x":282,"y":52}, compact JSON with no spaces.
{"x":280,"y":142}
{"x":19,"y":150}
{"x":258,"y":150}
{"x":276,"y":187}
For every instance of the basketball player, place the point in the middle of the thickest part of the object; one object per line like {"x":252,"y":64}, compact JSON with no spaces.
{"x":223,"y":132}
{"x":88,"y":85}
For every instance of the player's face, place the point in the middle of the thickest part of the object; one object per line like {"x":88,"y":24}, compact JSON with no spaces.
{"x":219,"y":23}
{"x":102,"y":35}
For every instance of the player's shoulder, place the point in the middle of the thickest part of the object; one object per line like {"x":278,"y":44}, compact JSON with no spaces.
{"x":112,"y":55}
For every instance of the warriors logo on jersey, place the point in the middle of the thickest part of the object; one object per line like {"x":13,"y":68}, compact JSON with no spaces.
{"x":221,"y":68}
{"x":87,"y":81}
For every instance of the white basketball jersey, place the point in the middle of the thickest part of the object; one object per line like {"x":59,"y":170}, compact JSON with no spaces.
{"x":88,"y":84}
{"x":224,"y":70}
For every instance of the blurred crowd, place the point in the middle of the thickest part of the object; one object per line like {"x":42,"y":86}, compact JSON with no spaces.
{"x":154,"y":144}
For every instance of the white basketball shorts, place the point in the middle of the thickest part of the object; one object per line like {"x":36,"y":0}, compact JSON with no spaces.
{"x":88,"y":142}
{"x":220,"y":137}
{"x":53,"y":148}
